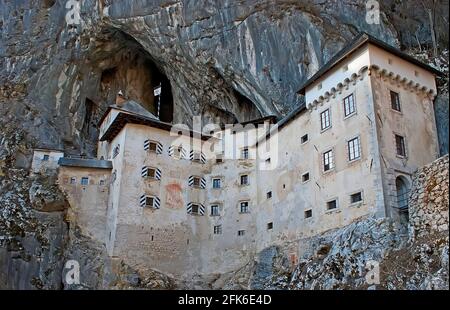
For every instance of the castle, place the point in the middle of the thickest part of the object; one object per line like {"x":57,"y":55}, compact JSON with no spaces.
{"x":186,"y":201}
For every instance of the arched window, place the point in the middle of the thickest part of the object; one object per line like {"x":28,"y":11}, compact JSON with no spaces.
{"x":402,"y":188}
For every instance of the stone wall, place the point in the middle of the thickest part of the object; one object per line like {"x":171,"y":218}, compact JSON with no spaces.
{"x":428,"y":202}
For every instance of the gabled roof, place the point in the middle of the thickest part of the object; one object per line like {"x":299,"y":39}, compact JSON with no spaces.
{"x":360,"y":40}
{"x":129,"y":106}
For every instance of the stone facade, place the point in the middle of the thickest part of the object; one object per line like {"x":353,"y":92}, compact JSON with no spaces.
{"x":428,"y":202}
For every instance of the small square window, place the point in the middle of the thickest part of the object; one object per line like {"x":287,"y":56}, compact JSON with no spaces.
{"x":218,"y":229}
{"x":46,"y":158}
{"x":241,"y":232}
{"x":270,"y":226}
{"x":356,"y":197}
{"x":304,"y":139}
{"x":219,"y":159}
{"x":331,"y":205}
{"x":102,"y":182}
{"x":269,"y":195}
{"x":215,"y":210}
{"x":244,"y":207}
{"x":308,"y":213}
{"x":151,"y":173}
{"x":305,"y":177}
{"x":196,"y":182}
{"x":73,"y":180}
{"x":195,"y":209}
{"x":244,"y":179}
{"x":217,"y":183}
{"x":84,"y":181}
{"x":149,"y":201}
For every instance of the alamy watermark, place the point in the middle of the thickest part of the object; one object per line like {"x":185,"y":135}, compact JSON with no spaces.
{"x":373,"y":12}
{"x":72,"y":272}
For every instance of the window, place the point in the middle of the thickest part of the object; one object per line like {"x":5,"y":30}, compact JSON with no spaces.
{"x":153,"y":146}
{"x":178,"y":152}
{"x":354,"y":149}
{"x":395,"y":101}
{"x":356,"y":197}
{"x":331,"y":205}
{"x":73,"y":180}
{"x":218,"y":230}
{"x":46,"y":158}
{"x":217,"y":183}
{"x":244,"y":179}
{"x":268,"y":161}
{"x":244,"y":207}
{"x":151,"y":173}
{"x":270,"y":226}
{"x":305,"y":177}
{"x":308,"y":213}
{"x":245,"y":153}
{"x":215,"y":210}
{"x":269,"y":195}
{"x":195,"y":209}
{"x":325,"y":121}
{"x":116,"y":151}
{"x":197,"y":157}
{"x":241,"y":232}
{"x":349,"y":105}
{"x":102,"y":182}
{"x":149,"y":202}
{"x":400,"y":145}
{"x":196,"y":182}
{"x":84,"y":181}
{"x":304,"y":139}
{"x":328,"y":162}
{"x":219,"y":159}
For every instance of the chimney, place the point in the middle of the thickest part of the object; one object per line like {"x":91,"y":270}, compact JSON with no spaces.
{"x":120,"y":98}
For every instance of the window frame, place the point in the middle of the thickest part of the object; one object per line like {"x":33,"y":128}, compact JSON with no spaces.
{"x":217,"y":229}
{"x":361,"y":192}
{"x":352,"y":95}
{"x":248,"y":179}
{"x":332,"y":160}
{"x":246,"y":208}
{"x":358,"y":138}
{"x":405,"y":149}
{"x":241,"y":232}
{"x":245,"y":153}
{"x":322,"y":129}
{"x":399,"y":110}
{"x":214,"y":182}
{"x":331,"y":200}
{"x":214,"y":206}
{"x":46,"y":157}
{"x":84,"y":179}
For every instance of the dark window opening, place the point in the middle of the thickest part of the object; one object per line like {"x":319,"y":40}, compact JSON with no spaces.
{"x":308,"y":214}
{"x":269,"y":195}
{"x":304,"y":138}
{"x":305,"y":177}
{"x":270,"y":226}
{"x":400,"y":145}
{"x":357,"y":197}
{"x":46,"y":158}
{"x":395,"y":101}
{"x":332,"y":204}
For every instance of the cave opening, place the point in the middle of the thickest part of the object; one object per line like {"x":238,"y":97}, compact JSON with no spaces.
{"x":126,"y":66}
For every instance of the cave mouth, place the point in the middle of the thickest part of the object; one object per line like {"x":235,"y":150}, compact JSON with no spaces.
{"x":126,"y":66}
